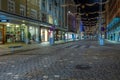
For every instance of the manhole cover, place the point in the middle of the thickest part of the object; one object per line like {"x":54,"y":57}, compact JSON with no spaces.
{"x":82,"y":67}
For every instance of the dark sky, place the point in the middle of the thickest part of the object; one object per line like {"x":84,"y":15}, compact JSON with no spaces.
{"x":89,"y":9}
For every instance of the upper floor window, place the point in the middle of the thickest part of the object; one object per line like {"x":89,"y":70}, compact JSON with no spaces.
{"x":22,"y":10}
{"x":55,"y":3}
{"x":44,"y":18}
{"x":50,"y":7}
{"x":11,"y":6}
{"x":0,"y":4}
{"x":43,"y":3}
{"x":33,"y":13}
{"x":34,"y":2}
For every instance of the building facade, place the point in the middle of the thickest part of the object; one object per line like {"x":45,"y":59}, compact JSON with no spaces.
{"x":113,"y":20}
{"x":30,"y":20}
{"x":71,"y":19}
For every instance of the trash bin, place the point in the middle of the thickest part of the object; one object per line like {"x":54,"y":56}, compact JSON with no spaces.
{"x":51,"y":40}
{"x":101,"y":41}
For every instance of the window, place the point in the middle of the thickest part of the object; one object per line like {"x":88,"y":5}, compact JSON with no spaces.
{"x":33,"y":13}
{"x":22,"y":10}
{"x":34,"y":2}
{"x":44,"y":18}
{"x":11,"y":6}
{"x":50,"y":7}
{"x":43,"y":2}
{"x":0,"y":4}
{"x":55,"y":3}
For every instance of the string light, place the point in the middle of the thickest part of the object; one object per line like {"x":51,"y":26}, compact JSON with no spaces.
{"x":96,"y":3}
{"x":83,"y":6}
{"x":86,"y":14}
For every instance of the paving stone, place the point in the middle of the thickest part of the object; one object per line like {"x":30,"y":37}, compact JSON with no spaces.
{"x":58,"y":63}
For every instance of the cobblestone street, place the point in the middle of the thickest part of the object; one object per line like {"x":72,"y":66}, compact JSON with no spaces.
{"x":81,"y":60}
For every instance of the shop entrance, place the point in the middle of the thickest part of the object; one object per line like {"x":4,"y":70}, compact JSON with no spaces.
{"x":44,"y":35}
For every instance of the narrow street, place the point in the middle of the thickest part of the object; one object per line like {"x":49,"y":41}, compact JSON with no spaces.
{"x":80,"y":60}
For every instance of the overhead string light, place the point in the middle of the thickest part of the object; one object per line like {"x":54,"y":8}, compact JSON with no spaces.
{"x":87,"y":4}
{"x":91,"y":13}
{"x":92,"y":4}
{"x":90,"y":18}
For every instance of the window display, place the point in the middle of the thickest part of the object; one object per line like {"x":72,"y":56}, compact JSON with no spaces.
{"x":14,"y":33}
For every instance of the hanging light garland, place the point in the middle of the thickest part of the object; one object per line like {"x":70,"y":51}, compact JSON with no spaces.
{"x":88,"y":4}
{"x":83,"y":6}
{"x":86,"y":14}
{"x":90,"y":18}
{"x":92,"y":12}
{"x":89,"y":13}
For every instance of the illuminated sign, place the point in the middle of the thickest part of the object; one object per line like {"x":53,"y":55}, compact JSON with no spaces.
{"x":4,"y":20}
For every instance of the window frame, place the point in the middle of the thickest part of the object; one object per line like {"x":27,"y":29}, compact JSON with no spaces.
{"x":22,"y":10}
{"x":11,"y":6}
{"x":33,"y":13}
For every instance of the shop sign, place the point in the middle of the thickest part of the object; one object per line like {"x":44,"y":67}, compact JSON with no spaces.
{"x":4,"y":20}
{"x":52,"y":28}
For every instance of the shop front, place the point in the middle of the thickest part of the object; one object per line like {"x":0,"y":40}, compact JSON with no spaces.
{"x":58,"y":35}
{"x":34,"y":32}
{"x":44,"y":34}
{"x":15,"y":33}
{"x":11,"y":33}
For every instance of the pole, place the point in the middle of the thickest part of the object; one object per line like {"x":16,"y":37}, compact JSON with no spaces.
{"x":101,"y":41}
{"x":67,"y":26}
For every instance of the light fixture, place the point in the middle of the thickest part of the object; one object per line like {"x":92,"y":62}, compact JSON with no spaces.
{"x":8,"y":24}
{"x":23,"y":21}
{"x":23,"y":24}
{"x":17,"y":25}
{"x":83,"y":6}
{"x":69,"y":12}
{"x":86,"y":14}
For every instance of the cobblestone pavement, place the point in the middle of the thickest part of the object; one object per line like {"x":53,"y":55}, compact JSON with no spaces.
{"x":71,"y":61}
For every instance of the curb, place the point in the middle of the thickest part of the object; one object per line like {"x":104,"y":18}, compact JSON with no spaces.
{"x":13,"y":51}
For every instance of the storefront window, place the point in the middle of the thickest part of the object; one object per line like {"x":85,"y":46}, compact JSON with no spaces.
{"x":14,"y":33}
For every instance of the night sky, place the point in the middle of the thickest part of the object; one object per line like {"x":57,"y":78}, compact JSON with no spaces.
{"x":89,"y":10}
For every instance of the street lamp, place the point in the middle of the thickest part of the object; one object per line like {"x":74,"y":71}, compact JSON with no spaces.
{"x":67,"y":24}
{"x":101,"y":41}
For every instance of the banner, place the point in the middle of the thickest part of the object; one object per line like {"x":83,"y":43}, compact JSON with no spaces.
{"x":81,"y":27}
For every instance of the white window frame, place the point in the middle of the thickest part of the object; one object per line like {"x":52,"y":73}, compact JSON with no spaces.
{"x":9,"y":6}
{"x":22,"y":10}
{"x":33,"y":13}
